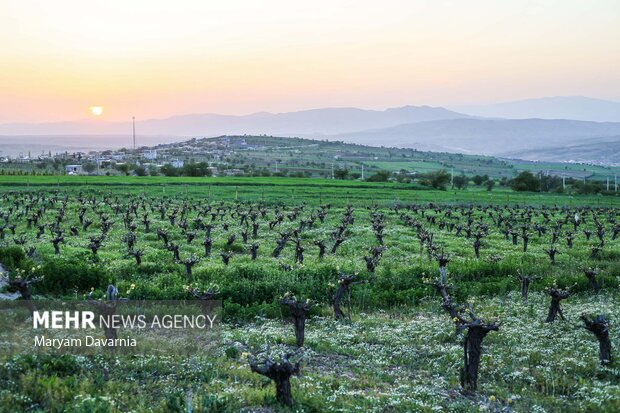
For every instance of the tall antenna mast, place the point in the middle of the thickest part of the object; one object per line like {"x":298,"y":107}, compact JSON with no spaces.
{"x":133,"y":119}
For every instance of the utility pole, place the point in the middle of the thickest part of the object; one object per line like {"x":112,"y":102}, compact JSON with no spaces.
{"x":332,"y":170}
{"x":452,"y":177}
{"x":616,"y":183}
{"x":607,"y":183}
{"x":362,"y":172}
{"x":541,"y":179}
{"x":133,"y":120}
{"x":563,"y":182}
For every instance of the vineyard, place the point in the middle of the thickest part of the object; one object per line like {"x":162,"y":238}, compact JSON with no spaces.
{"x":356,"y":297}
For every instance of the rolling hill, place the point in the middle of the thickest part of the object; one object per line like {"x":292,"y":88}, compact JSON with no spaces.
{"x":485,"y":136}
{"x":605,"y":151}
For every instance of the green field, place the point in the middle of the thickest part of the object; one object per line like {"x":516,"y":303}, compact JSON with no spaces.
{"x":400,"y":351}
{"x":295,"y":190}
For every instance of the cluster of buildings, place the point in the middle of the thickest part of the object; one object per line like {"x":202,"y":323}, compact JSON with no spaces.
{"x":213,"y":151}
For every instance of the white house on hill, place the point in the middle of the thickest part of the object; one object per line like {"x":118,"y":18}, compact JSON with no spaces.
{"x":73,"y":169}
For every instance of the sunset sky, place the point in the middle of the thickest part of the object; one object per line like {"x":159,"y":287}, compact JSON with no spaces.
{"x":160,"y":58}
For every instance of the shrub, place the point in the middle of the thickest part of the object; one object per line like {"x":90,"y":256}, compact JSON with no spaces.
{"x":62,"y":275}
{"x":380,"y":176}
{"x":438,"y":179}
{"x":12,"y":257}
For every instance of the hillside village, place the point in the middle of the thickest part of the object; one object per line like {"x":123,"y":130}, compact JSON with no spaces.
{"x":152,"y":159}
{"x":295,"y":157}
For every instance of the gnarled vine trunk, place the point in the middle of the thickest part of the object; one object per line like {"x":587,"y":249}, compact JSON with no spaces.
{"x":600,"y":328}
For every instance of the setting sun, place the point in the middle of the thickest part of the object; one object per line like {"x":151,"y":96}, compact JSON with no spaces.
{"x":96,"y":110}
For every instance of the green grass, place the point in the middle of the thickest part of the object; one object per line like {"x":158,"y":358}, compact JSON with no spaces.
{"x":400,"y":353}
{"x":295,"y":190}
{"x":397,"y":361}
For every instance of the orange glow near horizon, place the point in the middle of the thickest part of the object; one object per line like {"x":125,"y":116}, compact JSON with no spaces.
{"x":160,"y":58}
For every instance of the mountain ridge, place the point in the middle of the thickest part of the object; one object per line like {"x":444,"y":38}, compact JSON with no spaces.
{"x":549,"y":107}
{"x":306,"y":122}
{"x":422,"y":127}
{"x":485,"y":136}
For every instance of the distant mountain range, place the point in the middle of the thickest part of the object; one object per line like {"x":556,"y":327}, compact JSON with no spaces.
{"x":485,"y":136}
{"x":307,"y":122}
{"x":421,"y":127}
{"x":557,"y":107}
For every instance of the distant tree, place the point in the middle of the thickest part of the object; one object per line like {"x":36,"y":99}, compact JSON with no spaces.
{"x":341,"y":173}
{"x":169,"y":170}
{"x":379,"y":176}
{"x":460,"y":182}
{"x":480,"y":179}
{"x":196,"y":169}
{"x":438,"y":179}
{"x":89,"y":167}
{"x":551,"y":184}
{"x":525,"y":181}
{"x":140,"y":170}
{"x":587,"y":187}
{"x":489,"y":185}
{"x":123,"y":168}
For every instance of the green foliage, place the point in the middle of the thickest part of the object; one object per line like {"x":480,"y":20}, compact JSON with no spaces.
{"x":63,"y":275}
{"x":480,"y":179}
{"x":123,"y":168}
{"x":525,"y":182}
{"x":140,"y":170}
{"x":12,"y":257}
{"x":437,"y":180}
{"x":89,"y":166}
{"x":380,"y":176}
{"x":341,"y":173}
{"x":587,"y":187}
{"x":196,"y":169}
{"x":460,"y":182}
{"x":169,"y":170}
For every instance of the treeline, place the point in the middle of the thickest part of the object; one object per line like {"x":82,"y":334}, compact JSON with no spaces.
{"x":188,"y":169}
{"x":528,"y":182}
